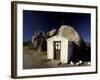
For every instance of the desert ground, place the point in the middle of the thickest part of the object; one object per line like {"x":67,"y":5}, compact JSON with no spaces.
{"x":35,"y":59}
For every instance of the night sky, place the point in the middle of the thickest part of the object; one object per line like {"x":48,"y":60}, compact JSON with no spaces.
{"x":46,"y":21}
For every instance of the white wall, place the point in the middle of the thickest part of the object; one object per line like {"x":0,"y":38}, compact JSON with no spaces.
{"x":5,"y":43}
{"x":64,"y":48}
{"x":64,"y":51}
{"x":50,"y":49}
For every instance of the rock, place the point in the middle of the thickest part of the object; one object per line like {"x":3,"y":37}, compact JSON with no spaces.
{"x":86,"y":63}
{"x":51,"y":33}
{"x":89,"y":63}
{"x":39,"y":41}
{"x":71,"y":34}
{"x":43,"y":45}
{"x":71,"y":63}
{"x":80,"y":61}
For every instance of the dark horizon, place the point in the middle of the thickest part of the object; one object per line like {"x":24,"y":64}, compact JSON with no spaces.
{"x":46,"y":21}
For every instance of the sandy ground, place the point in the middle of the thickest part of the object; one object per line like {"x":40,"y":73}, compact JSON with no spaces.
{"x":35,"y":59}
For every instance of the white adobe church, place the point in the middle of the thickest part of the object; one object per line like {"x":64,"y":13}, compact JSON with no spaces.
{"x":59,"y":48}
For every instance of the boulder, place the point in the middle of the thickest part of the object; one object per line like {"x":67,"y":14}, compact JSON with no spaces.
{"x":39,"y":41}
{"x":43,"y":45}
{"x":51,"y":33}
{"x":71,"y":34}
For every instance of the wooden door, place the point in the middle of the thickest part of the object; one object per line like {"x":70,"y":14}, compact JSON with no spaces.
{"x":57,"y":50}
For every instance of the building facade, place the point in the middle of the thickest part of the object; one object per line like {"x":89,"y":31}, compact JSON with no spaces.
{"x":59,"y":48}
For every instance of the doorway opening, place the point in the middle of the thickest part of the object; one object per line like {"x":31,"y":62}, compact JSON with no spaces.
{"x":57,"y":50}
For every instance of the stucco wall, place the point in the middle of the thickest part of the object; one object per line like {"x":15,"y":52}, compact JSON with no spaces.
{"x":64,"y":48}
{"x":64,"y":51}
{"x":50,"y":49}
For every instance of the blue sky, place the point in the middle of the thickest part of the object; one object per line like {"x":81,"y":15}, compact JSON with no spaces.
{"x":45,"y":21}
